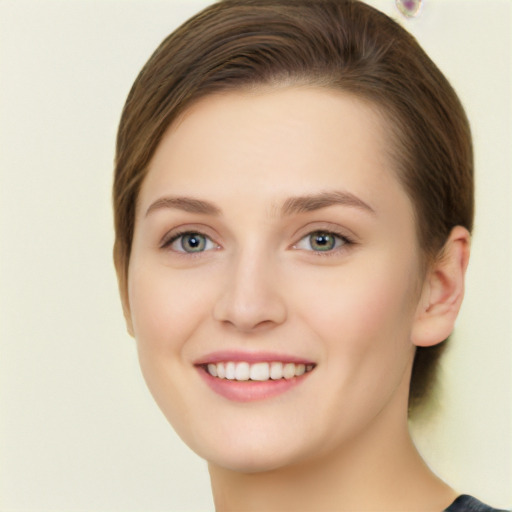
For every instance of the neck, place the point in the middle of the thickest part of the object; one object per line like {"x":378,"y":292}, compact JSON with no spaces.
{"x":370,"y":473}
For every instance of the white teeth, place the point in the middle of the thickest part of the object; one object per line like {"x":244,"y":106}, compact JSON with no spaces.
{"x":242,"y":371}
{"x":289,"y":370}
{"x":262,"y":371}
{"x":276,"y":371}
{"x":230,"y":370}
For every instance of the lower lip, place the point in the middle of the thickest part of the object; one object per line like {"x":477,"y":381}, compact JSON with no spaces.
{"x":250,"y":390}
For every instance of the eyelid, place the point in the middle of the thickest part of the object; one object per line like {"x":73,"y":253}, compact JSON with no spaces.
{"x":340,"y":245}
{"x":339,"y":238}
{"x":348,"y":237}
{"x":344,"y":234}
{"x":326,"y":227}
{"x":175,"y":233}
{"x":209,"y":243}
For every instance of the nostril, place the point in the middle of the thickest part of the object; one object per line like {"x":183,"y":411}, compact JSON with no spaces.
{"x":249,"y":327}
{"x":250,"y":311}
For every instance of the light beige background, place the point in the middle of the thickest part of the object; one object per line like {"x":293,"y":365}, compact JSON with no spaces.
{"x":78,"y":429}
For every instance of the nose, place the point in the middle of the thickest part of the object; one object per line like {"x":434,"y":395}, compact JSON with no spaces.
{"x":251,"y":298}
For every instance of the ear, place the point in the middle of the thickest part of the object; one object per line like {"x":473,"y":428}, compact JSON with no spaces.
{"x":443,"y":291}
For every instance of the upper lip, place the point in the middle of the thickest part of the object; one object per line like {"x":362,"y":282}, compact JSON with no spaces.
{"x":250,"y":357}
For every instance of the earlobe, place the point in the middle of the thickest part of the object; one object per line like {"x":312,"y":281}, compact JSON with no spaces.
{"x":443,"y":291}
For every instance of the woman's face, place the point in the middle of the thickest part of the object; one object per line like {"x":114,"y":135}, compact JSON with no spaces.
{"x":274,"y":243}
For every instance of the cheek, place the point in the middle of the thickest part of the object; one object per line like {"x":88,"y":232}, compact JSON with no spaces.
{"x":365,"y":302}
{"x":166,"y":309}
{"x":165,"y":306}
{"x":364,"y":318}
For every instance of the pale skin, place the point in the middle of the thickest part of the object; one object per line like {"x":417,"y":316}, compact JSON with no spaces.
{"x":252,"y":175}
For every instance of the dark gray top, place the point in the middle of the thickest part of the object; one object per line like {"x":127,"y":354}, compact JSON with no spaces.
{"x":467,"y":503}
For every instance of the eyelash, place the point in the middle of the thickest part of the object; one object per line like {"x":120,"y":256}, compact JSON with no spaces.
{"x":346,"y":242}
{"x":167,"y":243}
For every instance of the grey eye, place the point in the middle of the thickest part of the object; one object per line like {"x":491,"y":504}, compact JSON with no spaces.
{"x":191,"y":243}
{"x":321,"y":241}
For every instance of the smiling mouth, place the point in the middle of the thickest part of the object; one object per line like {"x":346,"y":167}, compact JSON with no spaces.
{"x":243,"y":371}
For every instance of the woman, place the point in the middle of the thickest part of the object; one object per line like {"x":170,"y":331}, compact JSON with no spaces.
{"x":293,"y":205}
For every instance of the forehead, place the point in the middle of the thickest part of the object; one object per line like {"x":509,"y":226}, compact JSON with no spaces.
{"x":272,"y":143}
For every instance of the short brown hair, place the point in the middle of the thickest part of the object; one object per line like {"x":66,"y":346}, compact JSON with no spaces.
{"x":339,"y":44}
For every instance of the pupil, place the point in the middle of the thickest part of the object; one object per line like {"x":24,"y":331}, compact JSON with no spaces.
{"x":193,"y":242}
{"x":322,"y":241}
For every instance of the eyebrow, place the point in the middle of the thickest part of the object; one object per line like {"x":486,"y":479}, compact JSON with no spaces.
{"x":187,"y":204}
{"x":310,"y":203}
{"x":292,"y":205}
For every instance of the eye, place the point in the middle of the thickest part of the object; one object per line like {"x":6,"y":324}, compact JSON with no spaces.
{"x":190,"y":242}
{"x":321,"y":241}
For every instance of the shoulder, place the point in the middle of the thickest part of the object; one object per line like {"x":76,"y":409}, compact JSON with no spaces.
{"x":467,"y":503}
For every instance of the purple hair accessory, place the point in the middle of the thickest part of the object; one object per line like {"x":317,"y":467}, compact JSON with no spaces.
{"x":409,"y":8}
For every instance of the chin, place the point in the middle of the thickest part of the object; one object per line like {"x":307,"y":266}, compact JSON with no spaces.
{"x":256,"y":461}
{"x":256,"y":450}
